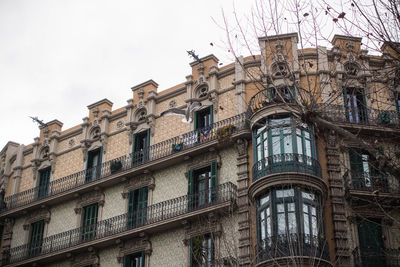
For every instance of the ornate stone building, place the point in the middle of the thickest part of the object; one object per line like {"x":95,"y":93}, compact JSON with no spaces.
{"x":225,"y":169}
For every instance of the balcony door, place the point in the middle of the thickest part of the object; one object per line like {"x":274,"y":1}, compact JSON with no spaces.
{"x":355,"y":105}
{"x":202,"y":186}
{"x":89,"y":223}
{"x":140,"y":147}
{"x":371,"y":243}
{"x":137,"y":207}
{"x":44,"y":180}
{"x":36,"y":238}
{"x":93,"y":169}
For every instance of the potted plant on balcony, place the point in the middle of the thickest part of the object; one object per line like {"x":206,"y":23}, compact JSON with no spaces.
{"x":225,"y":131}
{"x":177,"y":147}
{"x":115,"y":166}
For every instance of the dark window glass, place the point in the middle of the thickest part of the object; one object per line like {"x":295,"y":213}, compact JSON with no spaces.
{"x":355,"y":104}
{"x":134,"y":260}
{"x":137,"y":207}
{"x":140,"y":147}
{"x":93,"y":169}
{"x":44,"y":180}
{"x":202,"y":251}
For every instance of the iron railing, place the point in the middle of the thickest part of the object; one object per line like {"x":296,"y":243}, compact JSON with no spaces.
{"x":226,"y":192}
{"x":288,"y":162}
{"x":291,"y":245}
{"x":129,"y":161}
{"x":361,"y":115}
{"x":365,"y":181}
{"x":372,"y":257}
{"x":269,"y":96}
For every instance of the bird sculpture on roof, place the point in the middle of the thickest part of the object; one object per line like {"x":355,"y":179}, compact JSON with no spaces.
{"x":182,"y":112}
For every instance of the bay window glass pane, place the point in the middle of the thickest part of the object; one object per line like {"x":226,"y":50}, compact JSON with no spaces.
{"x":264,"y":200}
{"x":308,"y":147}
{"x":288,"y":147}
{"x":276,"y":145}
{"x":306,"y":224}
{"x":281,"y":224}
{"x":285,"y":193}
{"x":313,"y":211}
{"x":306,"y":195}
{"x":260,"y":129}
{"x":262,"y":222}
{"x":292,"y":222}
{"x":314,"y":225}
{"x":280,"y":208}
{"x":299,"y":145}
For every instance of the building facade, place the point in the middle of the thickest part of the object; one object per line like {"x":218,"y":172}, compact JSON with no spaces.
{"x":225,"y":169}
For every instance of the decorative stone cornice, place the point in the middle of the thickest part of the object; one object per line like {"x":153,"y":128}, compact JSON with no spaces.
{"x":204,"y":225}
{"x":37,"y":215}
{"x":96,"y":196}
{"x":133,"y":246}
{"x":204,"y":160}
{"x":138,"y":182}
{"x":85,"y":259}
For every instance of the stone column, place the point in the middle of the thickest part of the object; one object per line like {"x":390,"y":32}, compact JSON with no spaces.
{"x":240,"y":85}
{"x":336,"y":188}
{"x":243,"y":203}
{"x":18,"y":170}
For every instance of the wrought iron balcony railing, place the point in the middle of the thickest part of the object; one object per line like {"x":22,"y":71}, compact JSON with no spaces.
{"x":361,"y":115}
{"x":291,"y":245}
{"x":364,"y":181}
{"x":129,"y":161}
{"x":288,"y":162}
{"x":224,"y":193}
{"x":269,"y":96}
{"x":372,"y":257}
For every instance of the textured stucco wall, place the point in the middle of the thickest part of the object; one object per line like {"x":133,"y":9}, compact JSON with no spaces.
{"x":68,"y":163}
{"x":169,"y":250}
{"x":63,"y":218}
{"x":19,"y":234}
{"x":118,"y":146}
{"x":229,"y":239}
{"x":227,"y":172}
{"x":114,"y":204}
{"x":108,"y":257}
{"x":170,"y":183}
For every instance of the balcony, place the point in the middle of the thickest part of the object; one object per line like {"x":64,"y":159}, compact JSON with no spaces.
{"x":371,"y":257}
{"x":268,"y":97}
{"x":362,"y":116}
{"x":126,"y":164}
{"x":288,"y":162}
{"x":293,"y":249}
{"x":157,"y":217}
{"x":368,"y":184}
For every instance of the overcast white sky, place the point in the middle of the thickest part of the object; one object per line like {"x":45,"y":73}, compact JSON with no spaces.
{"x":58,"y":56}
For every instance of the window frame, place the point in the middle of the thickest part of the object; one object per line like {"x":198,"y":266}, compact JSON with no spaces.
{"x":89,"y":225}
{"x":210,"y":250}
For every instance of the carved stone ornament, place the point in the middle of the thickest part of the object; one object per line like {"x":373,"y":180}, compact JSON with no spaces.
{"x":96,"y":196}
{"x":120,"y":124}
{"x":71,"y":143}
{"x":172,"y":104}
{"x":204,"y":160}
{"x":85,"y":259}
{"x":204,"y":225}
{"x":241,"y":147}
{"x":138,"y":182}
{"x":37,"y":215}
{"x":134,"y":246}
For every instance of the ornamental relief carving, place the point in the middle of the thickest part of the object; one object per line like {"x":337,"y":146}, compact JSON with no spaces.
{"x":37,"y":215}
{"x":96,"y":196}
{"x":204,"y":160}
{"x":204,"y":225}
{"x":133,"y":246}
{"x":85,"y":259}
{"x":241,"y":147}
{"x":138,"y":182}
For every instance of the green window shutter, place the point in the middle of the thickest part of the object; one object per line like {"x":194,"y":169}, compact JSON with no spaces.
{"x":190,"y":189}
{"x":131,"y":208}
{"x":195,"y":120}
{"x":191,"y":252}
{"x":142,"y":205}
{"x":147,"y":144}
{"x":36,"y":238}
{"x":142,"y":261}
{"x":355,"y":156}
{"x":44,"y":182}
{"x":126,"y":261}
{"x":211,"y":115}
{"x":89,"y":221}
{"x":214,"y":181}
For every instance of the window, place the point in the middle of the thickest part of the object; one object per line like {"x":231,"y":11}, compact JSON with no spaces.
{"x":364,"y":173}
{"x":93,"y":168}
{"x":371,"y":242}
{"x":36,"y":238}
{"x":140,"y":147}
{"x":203,"y":118}
{"x":355,"y":104}
{"x":44,"y":180}
{"x":280,"y":139}
{"x":202,"y":251}
{"x":202,"y":186}
{"x":281,"y":94}
{"x":137,"y":207}
{"x":288,"y":214}
{"x":134,"y":260}
{"x":89,"y":223}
